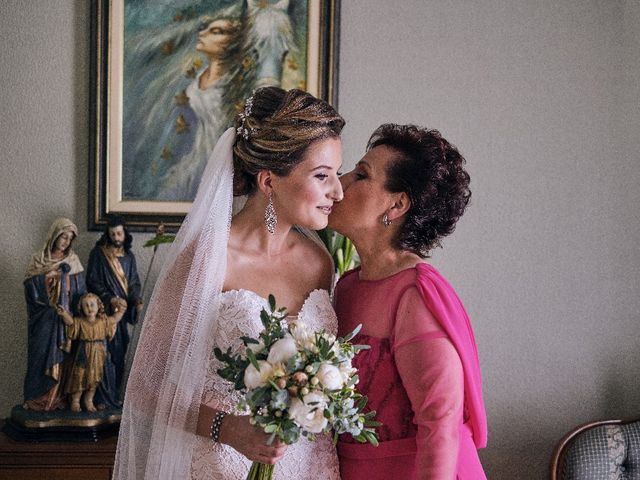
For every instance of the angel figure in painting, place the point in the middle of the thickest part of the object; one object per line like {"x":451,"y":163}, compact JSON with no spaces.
{"x":89,"y":332}
{"x":186,"y":84}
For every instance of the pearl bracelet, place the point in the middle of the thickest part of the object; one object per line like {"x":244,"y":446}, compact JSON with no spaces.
{"x":216,"y":424}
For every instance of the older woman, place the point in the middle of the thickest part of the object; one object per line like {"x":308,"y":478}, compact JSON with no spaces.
{"x":421,"y":374}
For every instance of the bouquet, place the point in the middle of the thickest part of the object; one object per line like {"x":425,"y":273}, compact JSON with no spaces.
{"x":297,"y":382}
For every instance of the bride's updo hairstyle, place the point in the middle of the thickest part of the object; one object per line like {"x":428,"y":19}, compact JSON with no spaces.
{"x":275,"y":129}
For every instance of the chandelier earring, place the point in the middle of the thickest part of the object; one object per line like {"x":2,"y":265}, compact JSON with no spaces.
{"x":270,"y":216}
{"x":385,"y":220}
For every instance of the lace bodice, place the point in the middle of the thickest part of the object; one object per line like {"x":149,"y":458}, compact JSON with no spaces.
{"x":240,"y":316}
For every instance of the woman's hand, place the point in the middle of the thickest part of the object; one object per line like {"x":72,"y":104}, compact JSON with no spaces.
{"x":238,"y":433}
{"x":249,"y":440}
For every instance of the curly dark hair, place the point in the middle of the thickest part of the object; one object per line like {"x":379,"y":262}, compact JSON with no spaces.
{"x":283,"y":124}
{"x":431,"y":172}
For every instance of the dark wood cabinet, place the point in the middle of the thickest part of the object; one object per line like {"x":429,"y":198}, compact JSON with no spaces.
{"x":56,"y":461}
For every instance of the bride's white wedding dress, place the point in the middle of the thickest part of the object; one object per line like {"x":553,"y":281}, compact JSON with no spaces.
{"x":240,"y":316}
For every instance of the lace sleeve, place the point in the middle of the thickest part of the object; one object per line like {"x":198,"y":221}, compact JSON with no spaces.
{"x":431,"y":373}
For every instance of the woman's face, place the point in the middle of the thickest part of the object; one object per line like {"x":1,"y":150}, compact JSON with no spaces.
{"x":63,"y":242}
{"x":306,"y":196}
{"x":215,"y":37}
{"x":366,"y":199}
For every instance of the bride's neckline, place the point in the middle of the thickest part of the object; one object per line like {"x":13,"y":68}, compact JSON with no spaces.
{"x":266,"y":301}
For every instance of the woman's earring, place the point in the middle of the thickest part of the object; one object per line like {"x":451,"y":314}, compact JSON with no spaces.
{"x":270,"y":216}
{"x":385,"y":220}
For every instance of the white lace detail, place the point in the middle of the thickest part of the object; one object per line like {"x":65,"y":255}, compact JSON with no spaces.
{"x":240,"y":316}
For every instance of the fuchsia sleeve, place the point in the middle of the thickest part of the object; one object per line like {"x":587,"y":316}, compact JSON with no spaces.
{"x":432,"y":375}
{"x":443,"y":302}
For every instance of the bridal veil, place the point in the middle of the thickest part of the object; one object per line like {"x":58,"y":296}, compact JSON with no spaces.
{"x":165,"y":385}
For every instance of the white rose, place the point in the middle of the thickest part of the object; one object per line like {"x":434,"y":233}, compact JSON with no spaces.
{"x":330,"y":376}
{"x":257,"y":378}
{"x":309,"y":412}
{"x":302,"y":334}
{"x":282,"y":350}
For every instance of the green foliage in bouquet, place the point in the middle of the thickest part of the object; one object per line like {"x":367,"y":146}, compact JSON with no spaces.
{"x":341,"y":249}
{"x":299,"y":382}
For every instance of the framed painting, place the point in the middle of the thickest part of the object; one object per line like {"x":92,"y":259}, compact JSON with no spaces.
{"x":167,"y":78}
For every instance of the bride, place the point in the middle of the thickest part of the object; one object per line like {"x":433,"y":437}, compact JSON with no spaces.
{"x":179,"y":419}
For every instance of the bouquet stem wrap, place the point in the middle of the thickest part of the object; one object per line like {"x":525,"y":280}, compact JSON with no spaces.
{"x":260,"y":471}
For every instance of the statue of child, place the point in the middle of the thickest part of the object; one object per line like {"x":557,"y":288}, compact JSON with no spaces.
{"x":90,"y":332}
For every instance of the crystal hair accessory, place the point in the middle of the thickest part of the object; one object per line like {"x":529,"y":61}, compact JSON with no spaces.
{"x":242,"y":130}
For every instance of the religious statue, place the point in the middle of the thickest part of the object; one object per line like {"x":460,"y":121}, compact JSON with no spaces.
{"x":112,"y":274}
{"x":67,"y":349}
{"x":89,"y":332}
{"x":54,"y":278}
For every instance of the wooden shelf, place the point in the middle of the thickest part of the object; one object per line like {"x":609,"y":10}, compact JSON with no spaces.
{"x":56,"y":460}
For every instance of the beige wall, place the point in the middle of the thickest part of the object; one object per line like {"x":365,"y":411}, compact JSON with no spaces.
{"x":542,"y":98}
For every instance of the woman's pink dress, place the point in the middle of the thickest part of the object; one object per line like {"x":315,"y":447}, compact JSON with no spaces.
{"x":421,"y":376}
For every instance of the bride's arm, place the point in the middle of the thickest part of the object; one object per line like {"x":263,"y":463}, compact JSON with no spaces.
{"x":238,"y":433}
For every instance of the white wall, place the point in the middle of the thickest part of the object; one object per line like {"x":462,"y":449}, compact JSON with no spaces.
{"x":542,"y":97}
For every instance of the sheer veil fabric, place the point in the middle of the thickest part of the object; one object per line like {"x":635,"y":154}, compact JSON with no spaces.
{"x":166,"y":382}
